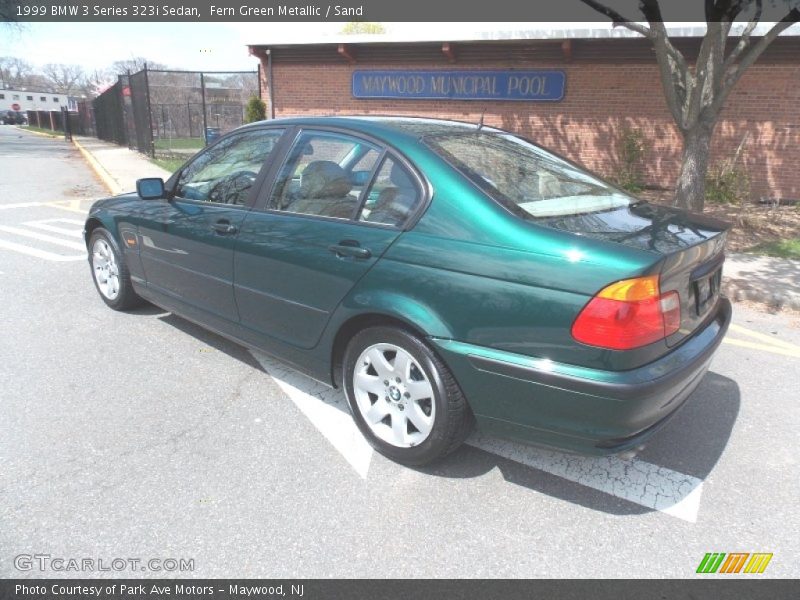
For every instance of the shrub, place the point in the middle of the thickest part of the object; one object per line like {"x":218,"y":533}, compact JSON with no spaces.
{"x":256,"y":110}
{"x":628,"y":174}
{"x":727,"y":183}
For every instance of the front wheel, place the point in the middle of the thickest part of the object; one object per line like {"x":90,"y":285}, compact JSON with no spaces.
{"x":403,"y":397}
{"x":110,"y":273}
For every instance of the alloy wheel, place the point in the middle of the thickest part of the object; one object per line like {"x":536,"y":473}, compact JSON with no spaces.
{"x":105,"y":269}
{"x":394,"y":395}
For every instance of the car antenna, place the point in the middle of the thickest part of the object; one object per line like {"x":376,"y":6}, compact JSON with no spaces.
{"x":480,"y":123}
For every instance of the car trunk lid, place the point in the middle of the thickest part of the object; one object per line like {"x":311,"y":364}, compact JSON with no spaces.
{"x":691,"y":248}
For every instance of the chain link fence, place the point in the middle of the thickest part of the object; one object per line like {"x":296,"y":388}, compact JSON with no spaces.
{"x":109,"y":115}
{"x":172,"y":114}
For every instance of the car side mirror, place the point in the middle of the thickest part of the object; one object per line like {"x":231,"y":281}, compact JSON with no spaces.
{"x":150,"y":188}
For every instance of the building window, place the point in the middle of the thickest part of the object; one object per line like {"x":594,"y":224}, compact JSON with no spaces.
{"x":29,"y":97}
{"x":42,"y":98}
{"x":2,"y":96}
{"x":15,"y":96}
{"x":55,"y":99}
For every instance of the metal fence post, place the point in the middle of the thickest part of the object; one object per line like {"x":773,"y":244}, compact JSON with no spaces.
{"x":203,"y":98}
{"x":271,"y":84}
{"x":67,"y":124}
{"x":149,"y":114}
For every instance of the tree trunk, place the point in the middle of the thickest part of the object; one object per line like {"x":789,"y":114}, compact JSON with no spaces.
{"x":690,"y":191}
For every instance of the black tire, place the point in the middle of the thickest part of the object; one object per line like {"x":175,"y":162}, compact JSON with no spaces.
{"x":126,"y":298}
{"x":452,"y":420}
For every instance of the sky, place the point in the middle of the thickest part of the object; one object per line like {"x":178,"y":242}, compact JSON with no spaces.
{"x":213,"y":46}
{"x":193,"y":46}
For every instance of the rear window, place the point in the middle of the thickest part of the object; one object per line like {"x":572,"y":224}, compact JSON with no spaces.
{"x":525,"y":177}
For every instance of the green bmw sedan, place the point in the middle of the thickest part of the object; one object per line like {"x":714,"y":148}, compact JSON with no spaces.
{"x":446,"y":275}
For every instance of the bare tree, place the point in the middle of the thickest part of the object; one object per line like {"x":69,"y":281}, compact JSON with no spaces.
{"x":697,"y":93}
{"x":66,"y":79}
{"x":14,"y":71}
{"x":97,"y":81}
{"x":134,"y":64}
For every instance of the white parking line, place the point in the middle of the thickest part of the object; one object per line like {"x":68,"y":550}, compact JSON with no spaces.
{"x":38,"y":253}
{"x":637,"y":481}
{"x":75,"y":222}
{"x":20,"y":205}
{"x":42,"y":237}
{"x":45,"y":226}
{"x":323,"y":406}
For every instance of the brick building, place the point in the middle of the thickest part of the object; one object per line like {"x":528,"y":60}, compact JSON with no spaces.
{"x":611,"y":82}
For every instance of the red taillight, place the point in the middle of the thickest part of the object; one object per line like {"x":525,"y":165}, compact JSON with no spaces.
{"x":628,"y":314}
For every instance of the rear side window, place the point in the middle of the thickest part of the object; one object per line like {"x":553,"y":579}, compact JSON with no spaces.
{"x":393,"y":196}
{"x":530,"y":179}
{"x":323,"y":175}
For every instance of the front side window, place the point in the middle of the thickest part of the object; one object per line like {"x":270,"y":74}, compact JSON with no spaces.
{"x":324,"y":175}
{"x":225,"y":172}
{"x":519,"y":173}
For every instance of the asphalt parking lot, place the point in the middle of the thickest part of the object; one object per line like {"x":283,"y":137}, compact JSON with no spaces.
{"x":142,"y":436}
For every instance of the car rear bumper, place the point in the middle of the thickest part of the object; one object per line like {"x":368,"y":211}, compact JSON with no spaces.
{"x":576,"y":408}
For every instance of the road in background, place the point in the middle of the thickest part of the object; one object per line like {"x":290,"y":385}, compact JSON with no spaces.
{"x":142,"y":435}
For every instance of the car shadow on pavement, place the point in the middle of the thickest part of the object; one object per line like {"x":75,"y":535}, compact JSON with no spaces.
{"x":217,"y":342}
{"x":151,"y":310}
{"x":667,"y":472}
{"x":672,"y":466}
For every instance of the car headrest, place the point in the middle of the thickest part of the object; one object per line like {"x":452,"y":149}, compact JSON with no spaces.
{"x":324,"y":179}
{"x":399,"y":177}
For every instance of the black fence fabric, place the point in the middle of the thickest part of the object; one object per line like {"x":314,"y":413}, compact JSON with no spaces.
{"x":172,"y":114}
{"x":140,"y":112}
{"x":109,"y":115}
{"x":84,"y":119}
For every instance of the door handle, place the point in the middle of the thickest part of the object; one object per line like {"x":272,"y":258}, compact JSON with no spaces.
{"x":349,"y":248}
{"x":224,"y":227}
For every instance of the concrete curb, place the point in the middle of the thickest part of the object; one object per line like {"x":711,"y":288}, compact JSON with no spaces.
{"x":106,"y":177}
{"x":52,"y":136}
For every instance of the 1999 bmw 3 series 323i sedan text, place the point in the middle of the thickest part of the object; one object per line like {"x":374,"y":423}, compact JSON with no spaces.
{"x":444,"y":274}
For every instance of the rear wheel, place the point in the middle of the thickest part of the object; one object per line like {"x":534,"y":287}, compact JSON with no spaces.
{"x":110,"y":273}
{"x":403,"y":397}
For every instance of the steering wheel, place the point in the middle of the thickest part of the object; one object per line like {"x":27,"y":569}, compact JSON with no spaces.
{"x":231,"y":188}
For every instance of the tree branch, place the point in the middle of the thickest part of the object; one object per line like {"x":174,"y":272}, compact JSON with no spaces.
{"x":676,"y":79}
{"x":616,"y":18}
{"x":675,"y":75}
{"x":652,"y":12}
{"x":749,"y":56}
{"x":744,"y":40}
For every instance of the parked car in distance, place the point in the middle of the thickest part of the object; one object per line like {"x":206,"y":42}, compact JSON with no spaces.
{"x":13,"y":117}
{"x":443,"y":274}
